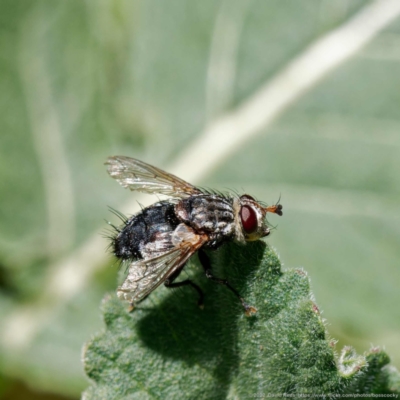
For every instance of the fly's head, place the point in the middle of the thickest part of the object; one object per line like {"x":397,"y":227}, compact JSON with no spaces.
{"x":250,"y":219}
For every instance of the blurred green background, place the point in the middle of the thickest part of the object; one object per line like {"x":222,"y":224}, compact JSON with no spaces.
{"x":83,"y":80}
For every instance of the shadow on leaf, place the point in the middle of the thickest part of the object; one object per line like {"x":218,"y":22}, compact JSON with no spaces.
{"x":178,"y":329}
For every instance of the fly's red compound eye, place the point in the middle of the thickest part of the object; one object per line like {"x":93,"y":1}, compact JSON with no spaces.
{"x":249,"y":219}
{"x":246,"y":196}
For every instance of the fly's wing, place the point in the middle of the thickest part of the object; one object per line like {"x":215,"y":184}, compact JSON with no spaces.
{"x":146,"y":275}
{"x":137,"y":175}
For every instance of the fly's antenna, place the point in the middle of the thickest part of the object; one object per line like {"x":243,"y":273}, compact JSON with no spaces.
{"x":276,"y":208}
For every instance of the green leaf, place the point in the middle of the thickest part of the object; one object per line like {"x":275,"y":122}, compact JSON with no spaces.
{"x":378,"y":376}
{"x":168,"y":348}
{"x":83,"y":80}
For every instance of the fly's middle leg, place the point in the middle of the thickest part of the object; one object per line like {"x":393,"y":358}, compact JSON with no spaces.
{"x":169,"y":283}
{"x":205,"y":262}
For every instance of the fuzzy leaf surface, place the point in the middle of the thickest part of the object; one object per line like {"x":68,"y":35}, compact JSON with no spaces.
{"x":168,"y":348}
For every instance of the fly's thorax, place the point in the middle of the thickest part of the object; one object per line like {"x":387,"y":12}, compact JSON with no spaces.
{"x":250,"y":222}
{"x":210,"y":214}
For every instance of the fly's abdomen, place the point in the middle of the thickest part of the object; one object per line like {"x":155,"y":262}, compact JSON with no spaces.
{"x":146,"y":233}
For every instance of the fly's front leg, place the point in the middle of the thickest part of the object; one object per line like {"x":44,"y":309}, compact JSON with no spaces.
{"x":205,"y":262}
{"x":169,"y":283}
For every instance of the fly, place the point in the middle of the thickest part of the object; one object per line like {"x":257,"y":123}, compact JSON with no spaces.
{"x":159,"y":240}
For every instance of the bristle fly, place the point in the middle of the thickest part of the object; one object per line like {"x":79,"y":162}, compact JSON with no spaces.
{"x":118,"y":214}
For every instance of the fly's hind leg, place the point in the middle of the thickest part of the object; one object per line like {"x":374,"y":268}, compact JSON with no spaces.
{"x":169,"y":283}
{"x":205,"y":262}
